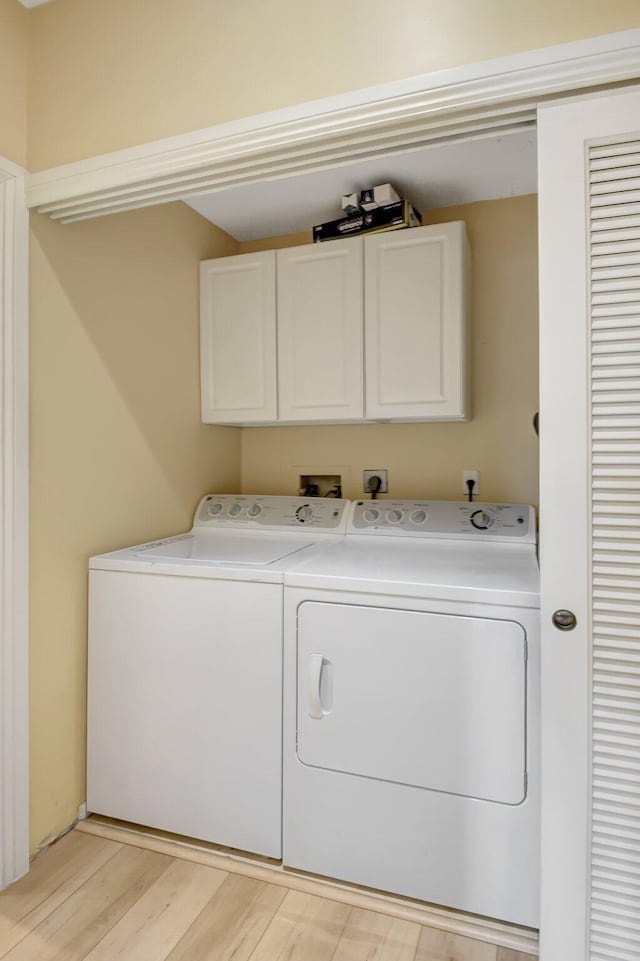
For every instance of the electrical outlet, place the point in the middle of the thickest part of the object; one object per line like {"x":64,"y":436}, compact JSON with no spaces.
{"x":473,"y":475}
{"x":368,"y":474}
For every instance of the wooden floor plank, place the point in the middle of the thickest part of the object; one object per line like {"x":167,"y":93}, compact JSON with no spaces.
{"x":53,"y":877}
{"x":506,"y":954}
{"x":90,"y":898}
{"x":435,"y":945}
{"x":369,"y":936}
{"x":481,"y":929}
{"x":305,"y":928}
{"x":72,"y":930}
{"x":161,"y":916}
{"x":70,"y":857}
{"x":232,"y":923}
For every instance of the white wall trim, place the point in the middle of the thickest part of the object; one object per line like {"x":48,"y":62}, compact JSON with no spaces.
{"x":474,"y":100}
{"x":14,"y":452}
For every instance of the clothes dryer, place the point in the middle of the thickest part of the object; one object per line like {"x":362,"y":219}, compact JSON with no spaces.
{"x":411,"y":747}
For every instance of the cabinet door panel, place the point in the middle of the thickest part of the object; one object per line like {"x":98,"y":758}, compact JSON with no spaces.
{"x":238,"y":338}
{"x":320,"y":331}
{"x":415,"y":328}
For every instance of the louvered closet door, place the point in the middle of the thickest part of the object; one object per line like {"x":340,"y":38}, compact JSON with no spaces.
{"x":590,"y":516}
{"x":614,"y":173}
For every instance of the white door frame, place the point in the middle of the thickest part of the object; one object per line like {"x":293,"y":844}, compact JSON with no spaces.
{"x":14,"y":453}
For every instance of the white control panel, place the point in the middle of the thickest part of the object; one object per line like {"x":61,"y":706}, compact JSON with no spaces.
{"x":253,"y":511}
{"x":473,"y":521}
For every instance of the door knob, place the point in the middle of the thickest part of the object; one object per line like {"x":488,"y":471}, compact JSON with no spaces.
{"x":564,"y":620}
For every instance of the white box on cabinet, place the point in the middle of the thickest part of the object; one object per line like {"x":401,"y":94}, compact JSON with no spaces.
{"x":416,"y":324}
{"x":320,"y":332}
{"x":238,"y":339}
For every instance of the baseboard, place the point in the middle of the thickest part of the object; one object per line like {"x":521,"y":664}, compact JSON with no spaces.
{"x":469,"y":926}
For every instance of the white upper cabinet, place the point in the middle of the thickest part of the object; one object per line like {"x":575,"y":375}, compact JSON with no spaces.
{"x":320,"y":332}
{"x":415,"y":324}
{"x":238,"y":339}
{"x":294,"y":337}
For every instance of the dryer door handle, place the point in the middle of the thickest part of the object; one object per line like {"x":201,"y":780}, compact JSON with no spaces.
{"x":316,"y":662}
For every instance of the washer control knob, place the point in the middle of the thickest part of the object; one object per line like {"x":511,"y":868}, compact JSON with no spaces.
{"x":371,"y":515}
{"x":482,"y":520}
{"x":419,"y":516}
{"x":235,"y":509}
{"x":254,"y":510}
{"x":214,"y":509}
{"x":394,"y":516}
{"x":305,"y":513}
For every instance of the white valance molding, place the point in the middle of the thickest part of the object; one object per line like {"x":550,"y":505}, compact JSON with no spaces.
{"x":471,"y":101}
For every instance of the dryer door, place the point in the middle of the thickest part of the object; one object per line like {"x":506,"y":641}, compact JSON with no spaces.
{"x":434,"y":701}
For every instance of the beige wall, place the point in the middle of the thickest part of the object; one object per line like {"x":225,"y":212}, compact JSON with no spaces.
{"x":426,"y":460}
{"x":106,"y":75}
{"x":13,"y":81}
{"x":118,"y":453}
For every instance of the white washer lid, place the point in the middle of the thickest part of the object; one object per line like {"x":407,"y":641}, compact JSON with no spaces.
{"x":231,"y":555}
{"x":224,"y":548}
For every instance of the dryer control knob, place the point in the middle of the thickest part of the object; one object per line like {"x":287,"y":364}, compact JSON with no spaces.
{"x":235,"y":509}
{"x":394,"y":516}
{"x":214,"y":509}
{"x":254,"y":510}
{"x":419,"y":517}
{"x":371,"y":515}
{"x":482,"y":520}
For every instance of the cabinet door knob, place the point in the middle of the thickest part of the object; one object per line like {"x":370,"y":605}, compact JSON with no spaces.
{"x":564,"y":620}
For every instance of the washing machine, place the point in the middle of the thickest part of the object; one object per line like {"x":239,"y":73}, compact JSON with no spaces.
{"x":411,"y":706}
{"x":185,"y":670}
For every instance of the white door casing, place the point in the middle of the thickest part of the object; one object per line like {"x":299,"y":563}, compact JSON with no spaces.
{"x":589,"y":157}
{"x":14,"y":754}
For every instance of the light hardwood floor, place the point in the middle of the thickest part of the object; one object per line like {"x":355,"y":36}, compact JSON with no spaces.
{"x":94,"y":898}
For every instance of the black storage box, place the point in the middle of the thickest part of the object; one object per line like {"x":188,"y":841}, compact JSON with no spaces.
{"x":392,"y":217}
